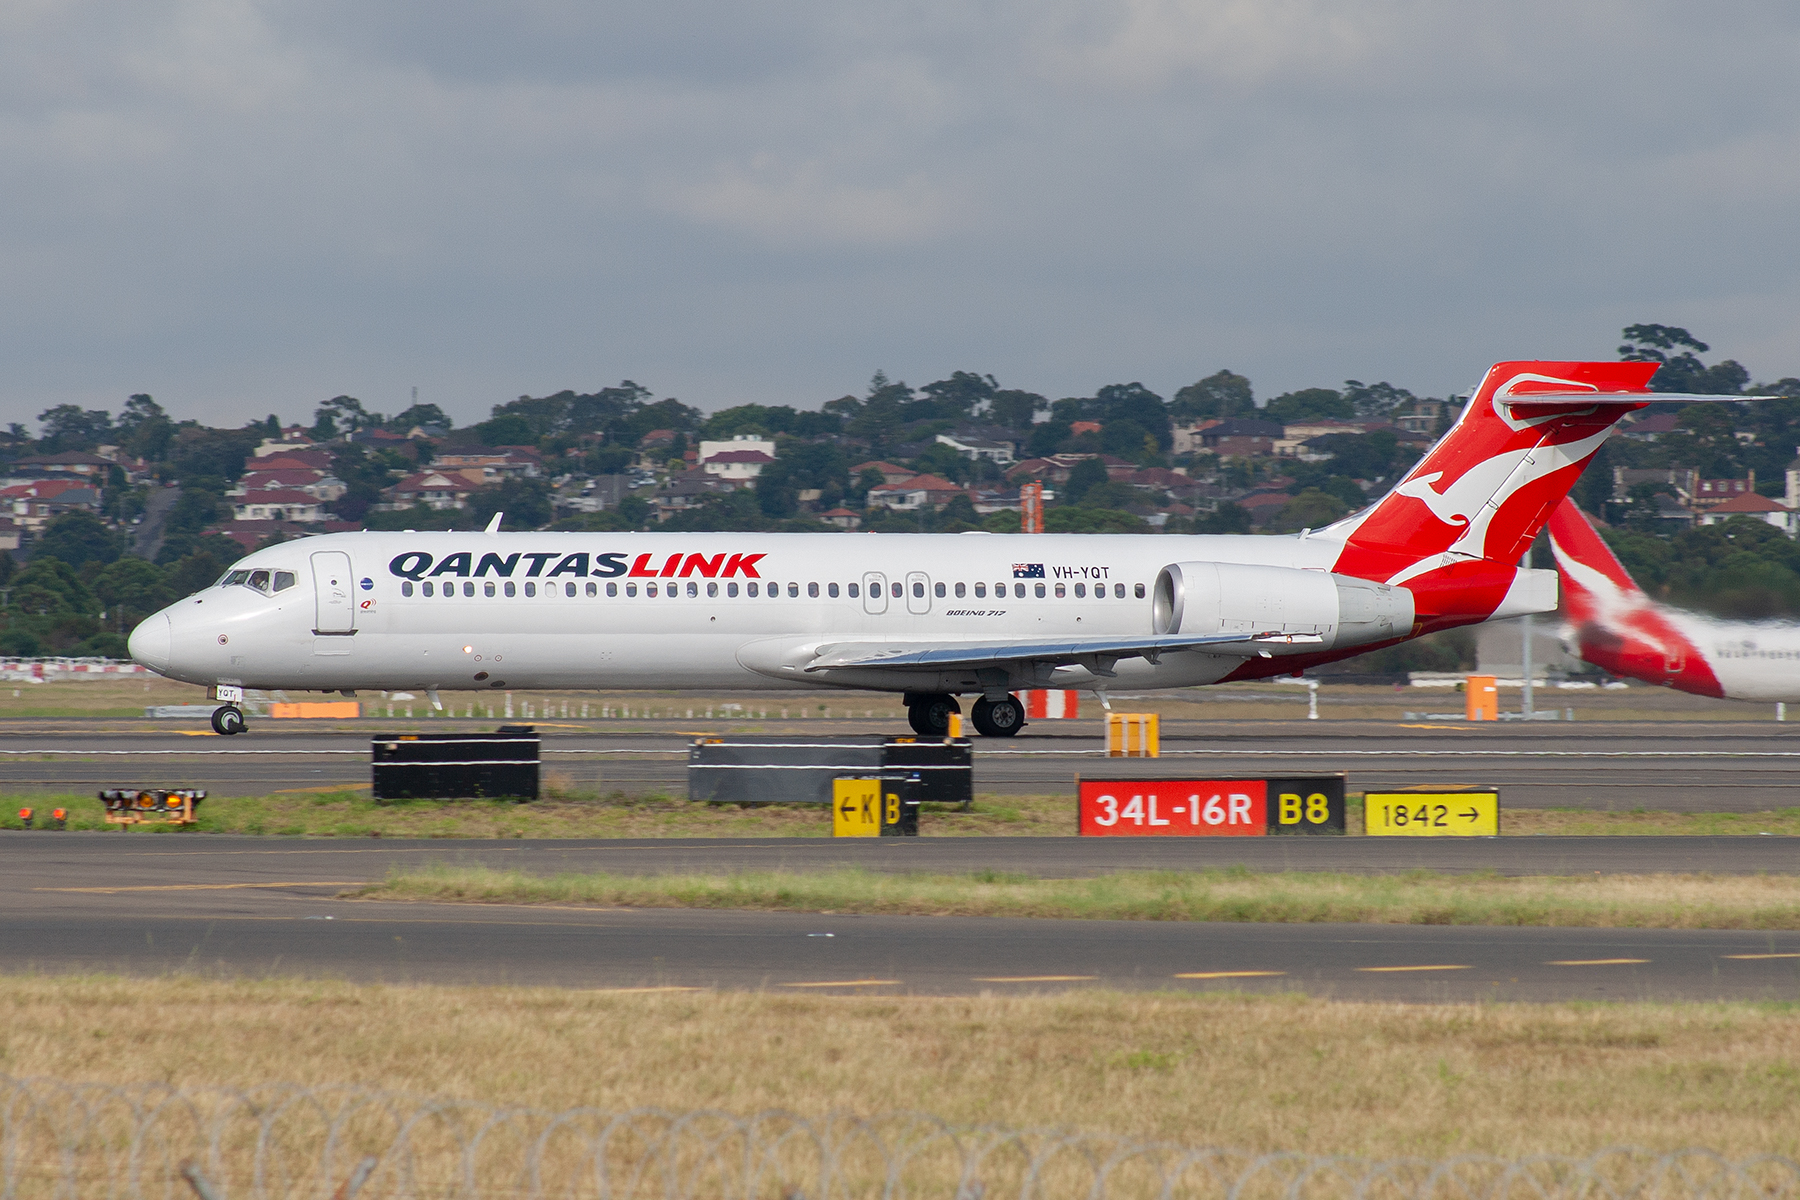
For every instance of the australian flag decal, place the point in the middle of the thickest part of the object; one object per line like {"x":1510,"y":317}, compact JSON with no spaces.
{"x":1028,"y":570}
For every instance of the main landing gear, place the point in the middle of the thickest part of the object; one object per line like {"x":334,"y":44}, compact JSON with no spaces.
{"x":228,"y":719}
{"x":929,"y":715}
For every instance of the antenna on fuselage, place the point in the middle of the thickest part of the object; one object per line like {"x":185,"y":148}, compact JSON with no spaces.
{"x":493,"y":526}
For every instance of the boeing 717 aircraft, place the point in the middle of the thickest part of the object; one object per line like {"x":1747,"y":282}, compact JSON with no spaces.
{"x":1614,"y":625}
{"x":934,"y":617}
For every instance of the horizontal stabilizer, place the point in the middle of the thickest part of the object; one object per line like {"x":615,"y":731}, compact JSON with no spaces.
{"x":1581,"y":399}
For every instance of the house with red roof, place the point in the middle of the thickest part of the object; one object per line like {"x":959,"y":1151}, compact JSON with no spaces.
{"x":910,"y":495}
{"x":277,"y":504}
{"x":1749,"y":504}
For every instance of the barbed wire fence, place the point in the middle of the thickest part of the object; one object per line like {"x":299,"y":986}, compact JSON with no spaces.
{"x":65,"y":1141}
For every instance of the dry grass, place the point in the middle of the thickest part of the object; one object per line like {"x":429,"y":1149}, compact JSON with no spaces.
{"x":1257,"y":1073}
{"x":1414,"y":898}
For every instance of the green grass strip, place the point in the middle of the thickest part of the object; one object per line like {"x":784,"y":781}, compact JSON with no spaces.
{"x":1416,"y":898}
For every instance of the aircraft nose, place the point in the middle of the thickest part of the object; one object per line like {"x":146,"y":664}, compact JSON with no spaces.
{"x":150,"y":642}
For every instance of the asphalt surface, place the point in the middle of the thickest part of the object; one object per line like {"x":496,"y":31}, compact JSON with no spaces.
{"x":249,"y":907}
{"x":1667,"y":766}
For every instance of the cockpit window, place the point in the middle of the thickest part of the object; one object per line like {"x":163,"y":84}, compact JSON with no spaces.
{"x":234,"y":578}
{"x":263,"y":580}
{"x":284,"y":580}
{"x":259,"y":580}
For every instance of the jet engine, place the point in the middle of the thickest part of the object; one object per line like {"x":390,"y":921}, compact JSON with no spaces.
{"x":1208,"y":598}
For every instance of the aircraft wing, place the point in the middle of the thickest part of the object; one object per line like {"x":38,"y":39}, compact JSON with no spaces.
{"x":1100,"y":652}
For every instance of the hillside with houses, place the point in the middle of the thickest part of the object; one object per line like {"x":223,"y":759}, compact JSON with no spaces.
{"x":104,"y":517}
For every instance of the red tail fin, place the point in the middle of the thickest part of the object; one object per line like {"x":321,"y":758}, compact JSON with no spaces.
{"x":1485,"y":490}
{"x":1593,"y":579}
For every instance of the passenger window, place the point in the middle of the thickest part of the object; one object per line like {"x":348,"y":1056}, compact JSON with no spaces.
{"x":855,"y":590}
{"x":1138,"y":590}
{"x":612,"y":589}
{"x":731,"y":589}
{"x":693,"y":588}
{"x":468,"y":589}
{"x":831,"y":589}
{"x":1081,"y":591}
{"x":631,"y":589}
{"x":939,"y":589}
{"x":918,"y":589}
{"x":487,"y":589}
{"x":1040,"y":591}
{"x":649,"y":589}
{"x":999,"y":590}
{"x":406,"y":588}
{"x":961,"y":591}
{"x":530,"y":589}
{"x":896,"y":591}
{"x":593,"y":589}
{"x":1019,"y":590}
{"x":1060,"y":591}
{"x":981,"y":591}
{"x":1118,"y":591}
{"x":712,"y":589}
{"x":750,"y":589}
{"x":427,"y":589}
{"x":812,"y":590}
{"x":259,"y":580}
{"x":284,"y":580}
{"x":511,"y":588}
{"x":793,"y":591}
{"x":449,"y":591}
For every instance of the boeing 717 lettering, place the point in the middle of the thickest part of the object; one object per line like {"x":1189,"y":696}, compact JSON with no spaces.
{"x":934,"y":616}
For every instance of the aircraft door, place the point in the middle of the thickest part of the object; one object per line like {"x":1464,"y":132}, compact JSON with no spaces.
{"x":918,"y":592}
{"x":334,"y":597}
{"x":875,"y":596}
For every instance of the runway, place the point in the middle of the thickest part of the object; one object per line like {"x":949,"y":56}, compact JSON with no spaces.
{"x":251,"y":907}
{"x":1663,"y":765}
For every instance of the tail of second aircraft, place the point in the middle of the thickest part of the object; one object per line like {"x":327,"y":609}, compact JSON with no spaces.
{"x":1594,"y":582}
{"x":1453,"y":530}
{"x":1612,"y":623}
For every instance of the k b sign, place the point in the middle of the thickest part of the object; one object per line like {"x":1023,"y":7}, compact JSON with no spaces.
{"x":1211,"y":807}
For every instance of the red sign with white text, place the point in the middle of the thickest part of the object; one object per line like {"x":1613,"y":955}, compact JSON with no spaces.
{"x":1174,"y":807}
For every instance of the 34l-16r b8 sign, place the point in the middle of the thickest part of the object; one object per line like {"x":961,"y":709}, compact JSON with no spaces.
{"x":1211,"y":807}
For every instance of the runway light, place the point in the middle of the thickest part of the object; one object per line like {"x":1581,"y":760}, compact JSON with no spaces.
{"x":58,"y":817}
{"x":25,"y":817}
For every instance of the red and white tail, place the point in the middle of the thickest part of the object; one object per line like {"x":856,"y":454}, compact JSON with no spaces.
{"x":1594,"y":581}
{"x":1612,"y":623}
{"x":1454,"y":528}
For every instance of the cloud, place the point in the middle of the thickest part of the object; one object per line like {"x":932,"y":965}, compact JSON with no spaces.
{"x":262,"y":203}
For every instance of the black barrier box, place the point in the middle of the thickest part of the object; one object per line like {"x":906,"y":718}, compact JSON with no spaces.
{"x":790,"y":770}
{"x":448,"y":766}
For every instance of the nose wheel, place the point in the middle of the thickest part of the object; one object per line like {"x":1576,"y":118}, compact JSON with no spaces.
{"x":998,"y":718}
{"x":228,"y":719}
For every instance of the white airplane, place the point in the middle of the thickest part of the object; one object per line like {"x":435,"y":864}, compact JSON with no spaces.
{"x":1611,"y":623}
{"x":931,"y":616}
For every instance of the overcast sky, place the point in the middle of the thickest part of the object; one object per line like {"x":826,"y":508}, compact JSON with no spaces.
{"x":244,"y":207}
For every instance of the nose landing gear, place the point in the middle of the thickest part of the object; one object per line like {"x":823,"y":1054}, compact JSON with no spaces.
{"x":228,"y":719}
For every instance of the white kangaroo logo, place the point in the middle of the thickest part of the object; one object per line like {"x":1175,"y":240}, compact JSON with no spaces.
{"x":1458,"y":503}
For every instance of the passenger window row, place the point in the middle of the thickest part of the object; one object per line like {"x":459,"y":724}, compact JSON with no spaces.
{"x":750,"y":588}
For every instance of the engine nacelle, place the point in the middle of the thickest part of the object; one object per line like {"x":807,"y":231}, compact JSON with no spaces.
{"x":1207,"y":598}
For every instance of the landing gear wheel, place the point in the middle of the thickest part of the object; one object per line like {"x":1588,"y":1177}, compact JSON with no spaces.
{"x":998,"y":718}
{"x":228,"y":719}
{"x":930,"y":717}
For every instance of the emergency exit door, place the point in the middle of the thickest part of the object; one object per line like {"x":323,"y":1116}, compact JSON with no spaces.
{"x":874,"y":592}
{"x":334,"y":598}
